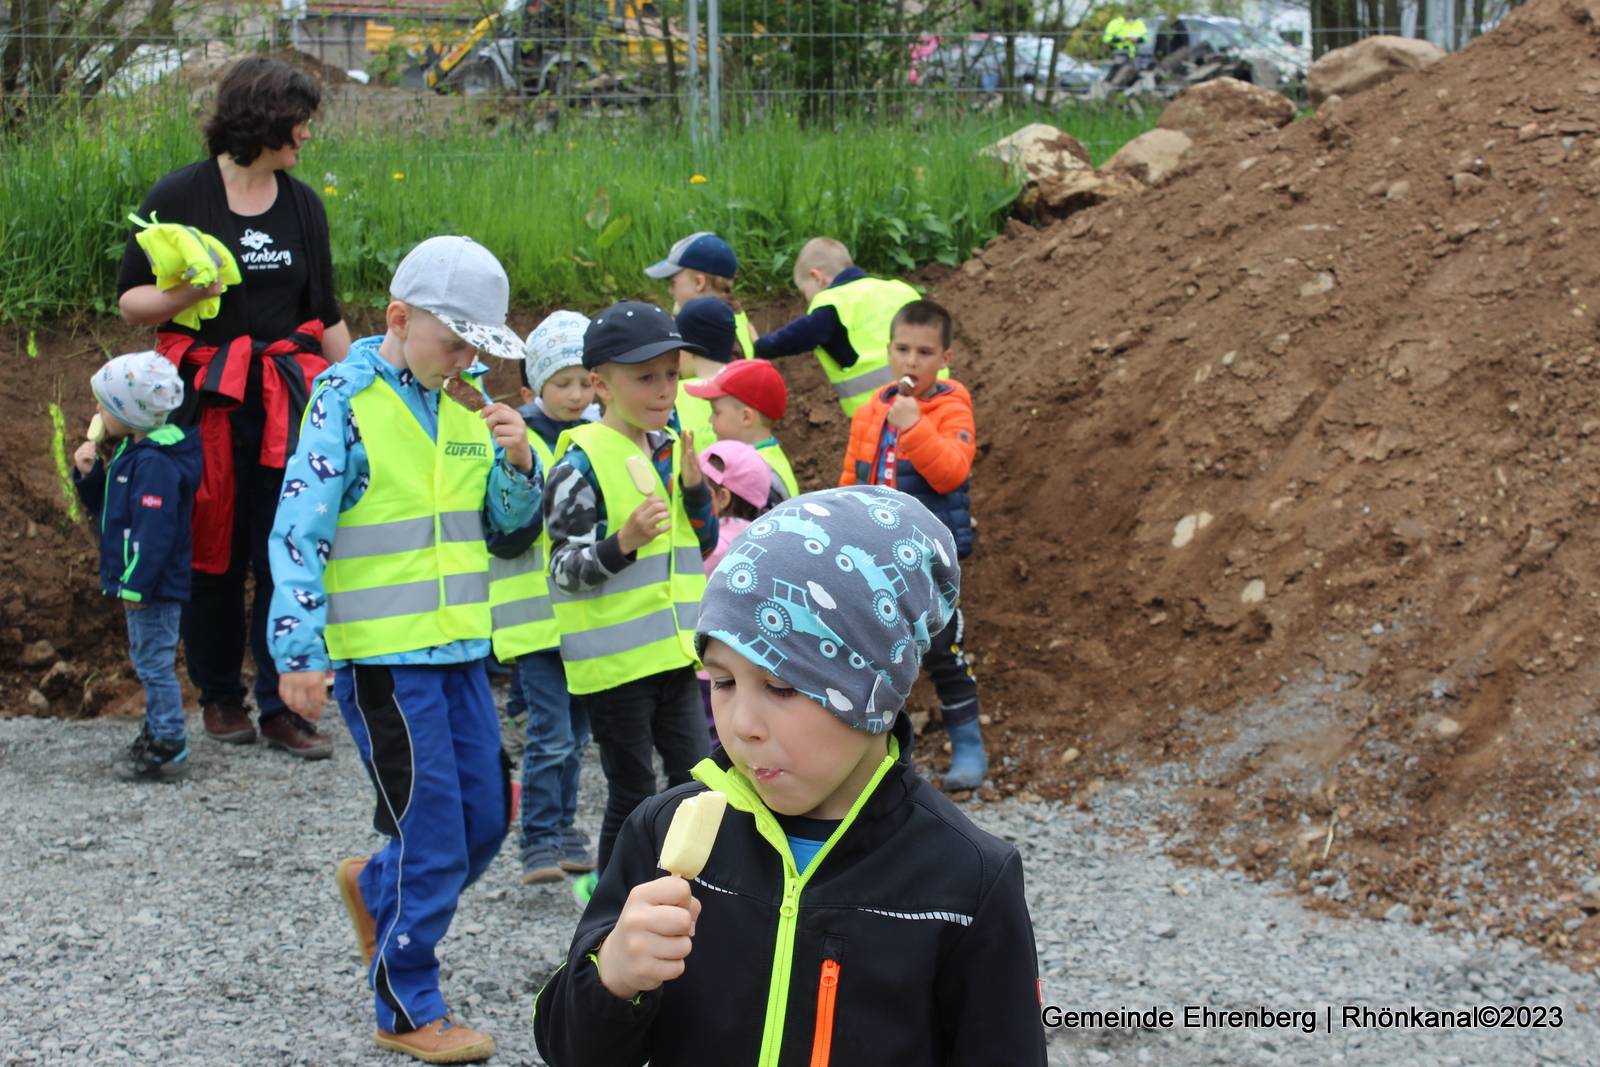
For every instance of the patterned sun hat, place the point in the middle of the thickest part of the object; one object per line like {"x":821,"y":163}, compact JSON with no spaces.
{"x":839,"y":593}
{"x":140,"y":388}
{"x":554,"y":345}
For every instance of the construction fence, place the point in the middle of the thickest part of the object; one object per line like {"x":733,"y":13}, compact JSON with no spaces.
{"x":711,"y":64}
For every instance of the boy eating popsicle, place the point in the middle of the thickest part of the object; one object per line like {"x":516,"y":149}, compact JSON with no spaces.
{"x":849,"y":913}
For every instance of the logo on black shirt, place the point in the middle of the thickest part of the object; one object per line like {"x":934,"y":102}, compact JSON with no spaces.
{"x":260,"y":257}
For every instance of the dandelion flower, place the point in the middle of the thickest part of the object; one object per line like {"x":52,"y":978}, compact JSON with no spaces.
{"x":572,"y":144}
{"x":698,"y":179}
{"x":330,"y":190}
{"x":398,"y":175}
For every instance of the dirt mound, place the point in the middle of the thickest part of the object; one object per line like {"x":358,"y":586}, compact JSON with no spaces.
{"x":1315,"y":425}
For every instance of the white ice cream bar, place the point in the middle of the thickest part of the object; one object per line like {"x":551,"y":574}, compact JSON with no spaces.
{"x":97,"y":428}
{"x":692,"y":833}
{"x":643,"y":475}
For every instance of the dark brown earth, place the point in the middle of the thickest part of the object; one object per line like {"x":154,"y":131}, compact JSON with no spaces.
{"x":1355,"y":360}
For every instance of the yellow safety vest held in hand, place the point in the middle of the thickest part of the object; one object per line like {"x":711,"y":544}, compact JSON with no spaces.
{"x":408,"y":568}
{"x":865,"y":307}
{"x":519,"y":589}
{"x":641,"y":620}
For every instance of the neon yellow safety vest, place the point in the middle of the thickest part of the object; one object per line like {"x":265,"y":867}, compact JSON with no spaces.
{"x":694,"y":415}
{"x":866,"y":307}
{"x":741,"y":329}
{"x":409,"y":568}
{"x":779,"y":462}
{"x":519,"y":589}
{"x":641,"y":620}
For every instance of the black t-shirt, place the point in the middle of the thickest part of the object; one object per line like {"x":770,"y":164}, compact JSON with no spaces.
{"x":271,"y":251}
{"x":283,"y":254}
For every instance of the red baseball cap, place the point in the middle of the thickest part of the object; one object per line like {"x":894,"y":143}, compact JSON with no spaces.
{"x":749,"y":381}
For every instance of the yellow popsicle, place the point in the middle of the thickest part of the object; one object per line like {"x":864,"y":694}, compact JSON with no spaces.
{"x":643,"y":475}
{"x":97,"y":428}
{"x":692,"y":833}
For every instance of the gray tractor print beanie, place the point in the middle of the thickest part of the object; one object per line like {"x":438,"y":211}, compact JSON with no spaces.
{"x":839,"y":593}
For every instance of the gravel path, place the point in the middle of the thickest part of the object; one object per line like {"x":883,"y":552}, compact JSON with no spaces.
{"x":197,"y":924}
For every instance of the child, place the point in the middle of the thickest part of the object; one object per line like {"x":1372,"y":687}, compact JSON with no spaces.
{"x":145,"y":543}
{"x":747,"y":397}
{"x":380,"y":567}
{"x":706,"y":323}
{"x":846,"y":324}
{"x":700,"y":265}
{"x":740,"y":484}
{"x":836,"y":869}
{"x":626,"y":566}
{"x":923,"y":444}
{"x":557,"y":728}
{"x":554,"y":355}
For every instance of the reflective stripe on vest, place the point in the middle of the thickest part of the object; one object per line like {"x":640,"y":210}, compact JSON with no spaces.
{"x":778,"y":460}
{"x":866,"y":308}
{"x":406,"y":535}
{"x":408,"y":568}
{"x":519,"y":589}
{"x":641,"y":620}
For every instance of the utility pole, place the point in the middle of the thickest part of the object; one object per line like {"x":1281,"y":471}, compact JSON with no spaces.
{"x":714,"y":58}
{"x":694,"y":70}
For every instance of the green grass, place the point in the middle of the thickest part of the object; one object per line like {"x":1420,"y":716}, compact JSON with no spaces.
{"x":575,"y":216}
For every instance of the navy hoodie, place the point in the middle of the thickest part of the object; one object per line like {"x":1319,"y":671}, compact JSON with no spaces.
{"x":143,"y":501}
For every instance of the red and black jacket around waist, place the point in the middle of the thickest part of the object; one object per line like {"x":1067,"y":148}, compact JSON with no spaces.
{"x":215,"y":380}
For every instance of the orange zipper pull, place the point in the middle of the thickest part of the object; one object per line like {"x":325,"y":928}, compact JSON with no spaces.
{"x":822,"y":1043}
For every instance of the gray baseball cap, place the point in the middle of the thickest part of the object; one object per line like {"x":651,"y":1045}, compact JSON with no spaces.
{"x":460,"y":282}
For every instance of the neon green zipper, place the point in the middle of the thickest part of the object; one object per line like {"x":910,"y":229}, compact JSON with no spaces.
{"x":105,"y":501}
{"x":742,"y":795}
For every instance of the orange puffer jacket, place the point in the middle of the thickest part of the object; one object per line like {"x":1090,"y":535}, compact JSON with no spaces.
{"x":933,"y":459}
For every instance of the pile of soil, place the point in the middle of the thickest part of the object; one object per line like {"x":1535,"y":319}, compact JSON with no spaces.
{"x":1291,"y":467}
{"x":1288,"y":470}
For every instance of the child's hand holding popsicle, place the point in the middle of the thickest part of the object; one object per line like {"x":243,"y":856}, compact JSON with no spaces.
{"x":904,"y":412}
{"x":655,"y":931}
{"x":651,"y":518}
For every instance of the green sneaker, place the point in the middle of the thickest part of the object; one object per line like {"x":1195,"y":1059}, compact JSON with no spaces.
{"x":583,"y":886}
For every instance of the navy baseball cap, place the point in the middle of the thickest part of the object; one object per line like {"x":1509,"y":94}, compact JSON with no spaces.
{"x":707,"y":321}
{"x":704,"y":252}
{"x":632,"y":332}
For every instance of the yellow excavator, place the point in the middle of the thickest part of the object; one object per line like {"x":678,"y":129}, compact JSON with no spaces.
{"x":547,"y":47}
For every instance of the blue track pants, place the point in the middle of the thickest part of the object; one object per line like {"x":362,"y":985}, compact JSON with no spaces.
{"x":430,"y":739}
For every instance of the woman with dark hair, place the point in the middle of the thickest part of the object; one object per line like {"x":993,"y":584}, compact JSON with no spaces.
{"x":247,"y":373}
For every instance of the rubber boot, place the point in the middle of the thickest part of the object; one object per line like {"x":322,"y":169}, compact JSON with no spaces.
{"x":968,"y":762}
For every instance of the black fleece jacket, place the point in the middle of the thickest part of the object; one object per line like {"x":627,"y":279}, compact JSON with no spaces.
{"x":923,"y":914}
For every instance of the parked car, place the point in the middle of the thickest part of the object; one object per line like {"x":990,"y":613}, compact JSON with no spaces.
{"x":1269,"y":59}
{"x":979,"y":62}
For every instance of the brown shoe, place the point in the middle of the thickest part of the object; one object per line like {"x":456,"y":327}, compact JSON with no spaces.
{"x":294,"y":735}
{"x":441,"y":1041}
{"x":229,"y":723}
{"x":361,"y":919}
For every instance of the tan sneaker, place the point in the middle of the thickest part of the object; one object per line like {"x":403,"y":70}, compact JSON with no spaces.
{"x":366,"y":928}
{"x":441,"y":1041}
